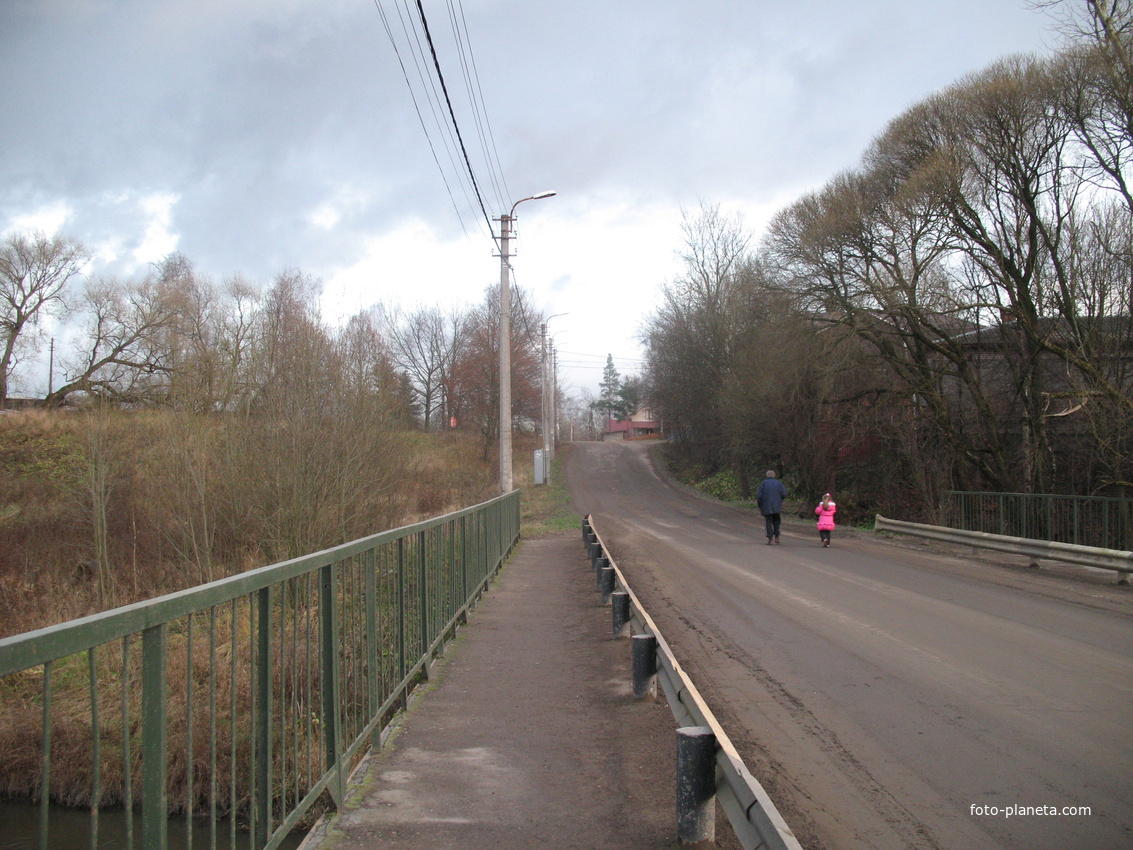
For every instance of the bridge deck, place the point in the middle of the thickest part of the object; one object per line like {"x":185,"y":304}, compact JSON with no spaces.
{"x":528,"y":736}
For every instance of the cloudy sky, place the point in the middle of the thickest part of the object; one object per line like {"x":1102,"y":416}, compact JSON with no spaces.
{"x":257,"y":136}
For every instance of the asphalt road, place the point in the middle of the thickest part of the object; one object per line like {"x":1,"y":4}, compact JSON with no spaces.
{"x":886,"y":694}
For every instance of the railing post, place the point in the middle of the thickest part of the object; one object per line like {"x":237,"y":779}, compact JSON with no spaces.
{"x":155,"y":804}
{"x":401,"y":620}
{"x":599,"y":565}
{"x":328,"y":627}
{"x":369,"y":564}
{"x":261,"y":803}
{"x":464,"y":564}
{"x":423,"y":598}
{"x":644,"y":666}
{"x":45,"y":758}
{"x":696,"y":785}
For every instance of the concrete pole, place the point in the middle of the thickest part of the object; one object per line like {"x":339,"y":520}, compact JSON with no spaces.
{"x":506,"y":485}
{"x":546,"y":395}
{"x":554,"y":399}
{"x":505,"y":358}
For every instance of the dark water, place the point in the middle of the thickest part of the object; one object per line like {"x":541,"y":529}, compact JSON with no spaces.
{"x":70,"y":829}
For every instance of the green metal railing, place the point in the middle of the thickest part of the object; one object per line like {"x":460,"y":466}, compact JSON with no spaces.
{"x":251,"y":697}
{"x":1104,"y":522}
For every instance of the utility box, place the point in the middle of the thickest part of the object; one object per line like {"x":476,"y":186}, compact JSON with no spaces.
{"x":540,"y":467}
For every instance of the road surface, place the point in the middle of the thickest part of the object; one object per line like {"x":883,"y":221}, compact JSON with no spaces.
{"x":887,"y":695}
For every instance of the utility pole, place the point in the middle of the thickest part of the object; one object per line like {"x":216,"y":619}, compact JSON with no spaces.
{"x":506,"y":478}
{"x":554,"y":399}
{"x":548,"y":441}
{"x":505,"y":357}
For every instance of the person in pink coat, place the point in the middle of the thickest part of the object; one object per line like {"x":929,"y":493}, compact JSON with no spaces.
{"x":825,"y":511}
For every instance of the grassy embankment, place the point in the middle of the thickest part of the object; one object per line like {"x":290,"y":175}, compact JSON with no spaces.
{"x":546,"y":510}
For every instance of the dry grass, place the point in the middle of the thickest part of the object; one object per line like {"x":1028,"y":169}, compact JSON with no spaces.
{"x":187,"y":499}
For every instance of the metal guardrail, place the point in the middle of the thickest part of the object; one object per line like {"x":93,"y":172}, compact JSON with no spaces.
{"x":1086,"y":556}
{"x":1102,"y":521}
{"x":750,"y":810}
{"x":278,"y":678}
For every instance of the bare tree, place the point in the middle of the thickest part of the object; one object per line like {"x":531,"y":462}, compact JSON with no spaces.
{"x":474,"y":393}
{"x":424,"y":346}
{"x":122,"y":355}
{"x":691,"y":336}
{"x":34,"y":273}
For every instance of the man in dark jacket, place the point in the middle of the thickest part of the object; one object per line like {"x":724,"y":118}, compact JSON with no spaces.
{"x":769,"y":497}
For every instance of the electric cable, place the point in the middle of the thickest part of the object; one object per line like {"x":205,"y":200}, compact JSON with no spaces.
{"x":420,"y":117}
{"x":452,"y":114}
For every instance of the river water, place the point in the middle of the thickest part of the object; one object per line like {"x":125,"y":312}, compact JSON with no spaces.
{"x":71,"y":830}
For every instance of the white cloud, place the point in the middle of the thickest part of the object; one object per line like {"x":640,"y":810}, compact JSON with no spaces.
{"x":412,"y":266}
{"x":48,"y":218}
{"x":158,"y":240}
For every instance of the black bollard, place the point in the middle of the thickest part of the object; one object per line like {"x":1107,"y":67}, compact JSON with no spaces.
{"x":606,"y":575}
{"x":620,"y":613}
{"x":644,"y":666}
{"x":599,"y":565}
{"x":595,"y":553}
{"x":696,"y":785}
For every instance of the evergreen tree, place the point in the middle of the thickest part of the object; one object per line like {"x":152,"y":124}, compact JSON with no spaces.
{"x":609,"y":400}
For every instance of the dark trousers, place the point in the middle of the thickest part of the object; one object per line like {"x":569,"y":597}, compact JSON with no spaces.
{"x":824,"y":535}
{"x":773,"y":521}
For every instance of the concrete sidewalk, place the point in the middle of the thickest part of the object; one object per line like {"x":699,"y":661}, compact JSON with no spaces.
{"x":528,"y":735}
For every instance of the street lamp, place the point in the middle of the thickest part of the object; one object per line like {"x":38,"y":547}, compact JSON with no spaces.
{"x":505,"y":344}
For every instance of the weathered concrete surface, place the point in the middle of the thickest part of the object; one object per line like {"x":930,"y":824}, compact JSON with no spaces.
{"x":529,"y":735}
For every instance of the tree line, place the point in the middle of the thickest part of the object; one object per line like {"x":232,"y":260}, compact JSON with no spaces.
{"x":175,"y":339}
{"x":217,"y":426}
{"x":954,"y":312}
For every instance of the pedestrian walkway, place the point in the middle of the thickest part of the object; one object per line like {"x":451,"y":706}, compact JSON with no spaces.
{"x":528,"y":735}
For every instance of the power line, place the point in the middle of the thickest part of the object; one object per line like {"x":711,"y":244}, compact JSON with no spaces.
{"x":602,"y":357}
{"x":429,"y":86}
{"x":417,"y":109}
{"x":452,"y":114}
{"x":476,"y":100}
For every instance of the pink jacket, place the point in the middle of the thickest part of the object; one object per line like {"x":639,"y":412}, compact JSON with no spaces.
{"x":826,"y":516}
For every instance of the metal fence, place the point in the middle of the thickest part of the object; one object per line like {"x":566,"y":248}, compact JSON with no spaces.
{"x":1103,"y":522}
{"x":247,"y":699}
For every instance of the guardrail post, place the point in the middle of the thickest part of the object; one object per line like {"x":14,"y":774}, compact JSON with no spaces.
{"x":644,"y":666}
{"x":595,"y":553}
{"x":696,"y":785}
{"x":620,"y":613}
{"x":606,"y":579}
{"x":599,"y":565}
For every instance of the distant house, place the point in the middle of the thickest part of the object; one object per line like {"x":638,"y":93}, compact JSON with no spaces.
{"x":638,"y":424}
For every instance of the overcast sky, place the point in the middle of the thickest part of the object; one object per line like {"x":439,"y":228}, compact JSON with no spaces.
{"x":257,"y":136}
